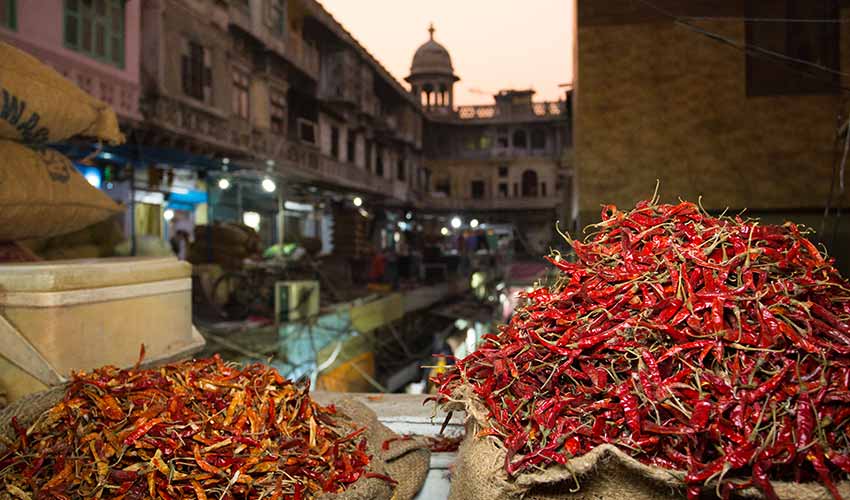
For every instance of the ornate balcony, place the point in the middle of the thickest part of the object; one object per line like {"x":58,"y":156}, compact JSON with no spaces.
{"x":303,"y":56}
{"x":529,"y":203}
{"x":537,"y":110}
{"x":308,"y":163}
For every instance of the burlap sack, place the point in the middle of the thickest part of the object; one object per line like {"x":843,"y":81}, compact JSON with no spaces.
{"x":38,"y":105}
{"x":406,"y":461}
{"x":72,"y":253}
{"x":605,"y":473}
{"x":225,"y":234}
{"x":42,"y":195}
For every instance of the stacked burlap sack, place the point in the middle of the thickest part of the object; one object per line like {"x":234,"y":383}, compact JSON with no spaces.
{"x":406,"y":461}
{"x":605,"y":473}
{"x":42,"y":195}
{"x":225,"y":244}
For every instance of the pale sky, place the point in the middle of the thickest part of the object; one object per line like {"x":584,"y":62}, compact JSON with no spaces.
{"x":494,"y":44}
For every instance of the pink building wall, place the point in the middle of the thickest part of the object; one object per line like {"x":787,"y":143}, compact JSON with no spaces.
{"x":40,"y":33}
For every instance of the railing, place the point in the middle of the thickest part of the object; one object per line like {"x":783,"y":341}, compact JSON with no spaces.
{"x":304,"y":56}
{"x":195,"y":119}
{"x":528,"y":203}
{"x":312,"y":164}
{"x":491,"y":111}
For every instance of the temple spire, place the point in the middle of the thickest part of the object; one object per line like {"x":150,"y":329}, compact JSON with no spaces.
{"x":431,"y":31}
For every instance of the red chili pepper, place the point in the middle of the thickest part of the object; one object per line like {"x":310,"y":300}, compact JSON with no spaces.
{"x":142,"y":429}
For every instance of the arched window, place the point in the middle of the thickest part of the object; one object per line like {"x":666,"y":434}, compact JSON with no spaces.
{"x":428,"y":91}
{"x":529,"y":184}
{"x":520,"y":140}
{"x":538,"y":139}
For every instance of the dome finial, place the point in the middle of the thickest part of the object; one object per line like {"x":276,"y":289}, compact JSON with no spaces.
{"x":431,"y":30}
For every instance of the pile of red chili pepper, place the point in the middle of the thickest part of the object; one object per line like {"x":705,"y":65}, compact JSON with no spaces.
{"x":196,"y":429}
{"x":715,"y":346}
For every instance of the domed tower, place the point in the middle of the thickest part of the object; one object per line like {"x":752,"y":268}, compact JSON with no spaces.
{"x":432,"y":77}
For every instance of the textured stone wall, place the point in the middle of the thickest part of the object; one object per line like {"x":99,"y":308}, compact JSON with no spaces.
{"x":656,"y":101}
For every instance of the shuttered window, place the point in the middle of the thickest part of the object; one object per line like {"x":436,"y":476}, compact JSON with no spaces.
{"x":196,"y":71}
{"x":814,"y":42}
{"x":8,"y":14}
{"x":95,"y":28}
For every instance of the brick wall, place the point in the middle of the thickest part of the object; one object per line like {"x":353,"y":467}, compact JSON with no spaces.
{"x":656,"y":101}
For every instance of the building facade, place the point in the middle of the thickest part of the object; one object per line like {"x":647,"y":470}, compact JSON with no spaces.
{"x":279,"y":83}
{"x":508,"y":162}
{"x":95,"y":44}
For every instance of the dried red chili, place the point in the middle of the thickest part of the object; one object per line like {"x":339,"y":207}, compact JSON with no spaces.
{"x":180,"y":435}
{"x":712,"y":345}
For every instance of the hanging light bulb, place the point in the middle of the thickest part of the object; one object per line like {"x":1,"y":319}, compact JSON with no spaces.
{"x":358,"y":201}
{"x":456,"y":222}
{"x":168,"y":214}
{"x":268,"y":185}
{"x":223,"y":184}
{"x":252,"y":220}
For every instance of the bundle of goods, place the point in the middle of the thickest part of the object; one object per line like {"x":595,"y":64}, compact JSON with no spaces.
{"x":225,"y":244}
{"x":42,"y":195}
{"x":676,"y":351}
{"x":42,"y":106}
{"x":96,"y":240}
{"x":199,"y":429}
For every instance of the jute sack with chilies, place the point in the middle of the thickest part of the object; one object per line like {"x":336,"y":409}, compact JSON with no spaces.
{"x":605,"y":473}
{"x":38,"y":105}
{"x":42,"y":195}
{"x":406,"y":461}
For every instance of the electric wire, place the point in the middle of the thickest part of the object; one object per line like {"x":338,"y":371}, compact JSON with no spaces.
{"x":753,"y":49}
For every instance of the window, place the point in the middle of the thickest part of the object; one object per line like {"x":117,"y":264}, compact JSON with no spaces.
{"x":401,"y":174}
{"x":8,"y":14}
{"x":278,"y":17}
{"x":485,"y":142}
{"x":307,"y":131}
{"x":352,"y":143}
{"x":516,"y":189}
{"x":443,"y":186}
{"x":93,"y":27}
{"x":529,"y":184}
{"x":816,"y":42}
{"x":502,"y":137}
{"x":379,"y":163}
{"x":335,"y":142}
{"x":519,"y":139}
{"x":240,"y":93}
{"x":503,"y":190}
{"x":503,"y":171}
{"x":538,"y":139}
{"x":542,"y":189}
{"x":196,"y":71}
{"x":369,"y":156}
{"x":278,"y":112}
{"x":477,"y":190}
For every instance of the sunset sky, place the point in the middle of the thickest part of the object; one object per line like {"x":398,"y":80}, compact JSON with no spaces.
{"x":494,"y":44}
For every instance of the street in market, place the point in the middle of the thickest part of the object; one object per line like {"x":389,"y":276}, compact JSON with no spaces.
{"x":298,"y":249}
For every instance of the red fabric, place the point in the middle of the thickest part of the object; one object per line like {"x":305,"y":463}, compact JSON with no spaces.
{"x":379,"y":263}
{"x":12,"y":252}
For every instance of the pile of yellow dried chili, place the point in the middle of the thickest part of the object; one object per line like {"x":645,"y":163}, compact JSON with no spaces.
{"x":196,"y":429}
